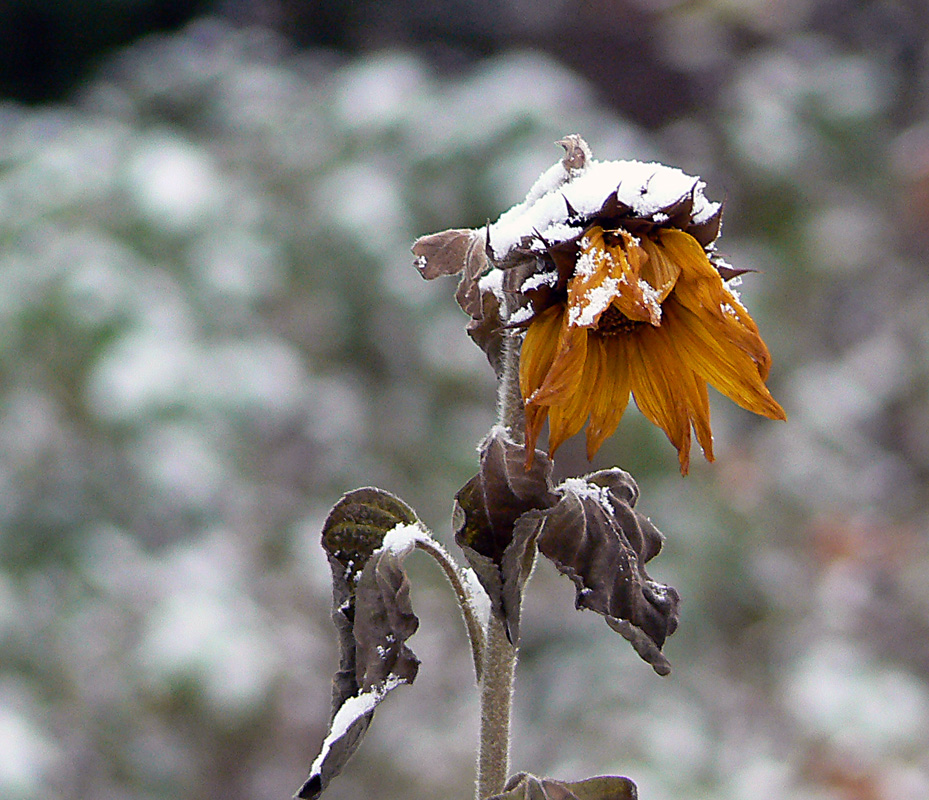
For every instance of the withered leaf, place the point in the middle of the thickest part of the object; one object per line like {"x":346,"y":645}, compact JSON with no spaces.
{"x":524,"y":786}
{"x":487,"y":510}
{"x":594,"y":536}
{"x":705,"y":232}
{"x":465,"y":251}
{"x":487,"y":329}
{"x":577,"y":152}
{"x":442,"y":253}
{"x":459,"y":250}
{"x":367,"y":535}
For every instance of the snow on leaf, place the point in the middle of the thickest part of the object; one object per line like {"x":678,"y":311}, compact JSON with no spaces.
{"x":594,"y":536}
{"x":367,"y":535}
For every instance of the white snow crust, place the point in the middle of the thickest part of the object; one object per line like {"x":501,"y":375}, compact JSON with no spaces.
{"x":647,"y":187}
{"x":352,"y":709}
{"x":401,"y":539}
{"x":583,"y":489}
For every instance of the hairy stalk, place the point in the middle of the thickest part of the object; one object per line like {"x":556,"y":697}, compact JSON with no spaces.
{"x":496,"y":701}
{"x":499,"y":661}
{"x":510,"y":407}
{"x":472,"y":623}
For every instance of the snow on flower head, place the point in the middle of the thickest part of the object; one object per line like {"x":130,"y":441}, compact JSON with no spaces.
{"x":610,"y":269}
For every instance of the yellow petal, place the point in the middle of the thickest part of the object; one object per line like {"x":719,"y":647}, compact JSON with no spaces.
{"x":538,"y":352}
{"x":607,"y":273}
{"x":564,"y":374}
{"x":658,"y":388}
{"x":535,"y":419}
{"x":609,"y":400}
{"x":700,"y":289}
{"x":742,"y":328}
{"x":539,"y":348}
{"x":659,"y":270}
{"x":719,"y":360}
{"x":698,"y":403}
{"x":687,"y":253}
{"x":567,"y":418}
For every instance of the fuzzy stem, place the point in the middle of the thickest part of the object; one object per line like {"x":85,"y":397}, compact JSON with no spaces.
{"x":510,"y":407}
{"x":499,"y":661}
{"x":465,"y":603}
{"x":496,"y":701}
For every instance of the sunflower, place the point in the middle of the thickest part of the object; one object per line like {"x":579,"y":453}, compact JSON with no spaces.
{"x":611,"y":270}
{"x":646,"y":315}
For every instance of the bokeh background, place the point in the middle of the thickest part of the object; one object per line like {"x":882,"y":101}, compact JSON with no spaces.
{"x":210,"y":327}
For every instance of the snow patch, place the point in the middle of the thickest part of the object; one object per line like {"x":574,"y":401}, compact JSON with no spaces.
{"x":647,"y":188}
{"x":353,"y":709}
{"x":586,"y":490}
{"x":401,"y":539}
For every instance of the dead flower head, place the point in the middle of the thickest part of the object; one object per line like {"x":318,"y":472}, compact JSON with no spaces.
{"x":611,"y":270}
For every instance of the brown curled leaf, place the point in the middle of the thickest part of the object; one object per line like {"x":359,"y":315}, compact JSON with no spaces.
{"x":464,"y":251}
{"x":367,"y":536}
{"x":524,"y":786}
{"x":442,"y":253}
{"x":487,"y":510}
{"x":487,"y":329}
{"x":460,"y":250}
{"x":594,"y":536}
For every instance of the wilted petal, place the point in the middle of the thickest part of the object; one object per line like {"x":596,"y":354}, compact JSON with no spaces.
{"x":659,"y":270}
{"x":567,"y":418}
{"x":609,"y":400}
{"x":721,"y":362}
{"x":655,"y":375}
{"x":565,"y":373}
{"x":539,"y":349}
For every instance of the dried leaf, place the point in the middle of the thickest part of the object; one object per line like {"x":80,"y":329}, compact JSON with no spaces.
{"x":705,"y":232}
{"x":367,"y":535}
{"x":442,"y":253}
{"x":487,"y":510}
{"x":595,"y":537}
{"x":577,"y":152}
{"x":524,"y":786}
{"x":464,"y":250}
{"x":487,"y":329}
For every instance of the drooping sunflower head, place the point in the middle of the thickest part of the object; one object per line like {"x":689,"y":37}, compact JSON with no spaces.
{"x":610,"y":268}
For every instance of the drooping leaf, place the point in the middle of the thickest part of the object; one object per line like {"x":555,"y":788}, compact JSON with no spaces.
{"x":443,"y":253}
{"x":594,"y":535}
{"x":367,"y":535}
{"x":460,"y":250}
{"x":465,"y":251}
{"x":524,"y":786}
{"x":487,"y":510}
{"x":486,"y":327}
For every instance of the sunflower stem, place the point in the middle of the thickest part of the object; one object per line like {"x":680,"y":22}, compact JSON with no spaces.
{"x":510,"y":406}
{"x":496,"y":702}
{"x":465,"y":600}
{"x":499,"y":660}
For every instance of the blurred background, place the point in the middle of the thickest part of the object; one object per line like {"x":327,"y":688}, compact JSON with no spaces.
{"x":210,"y":327}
